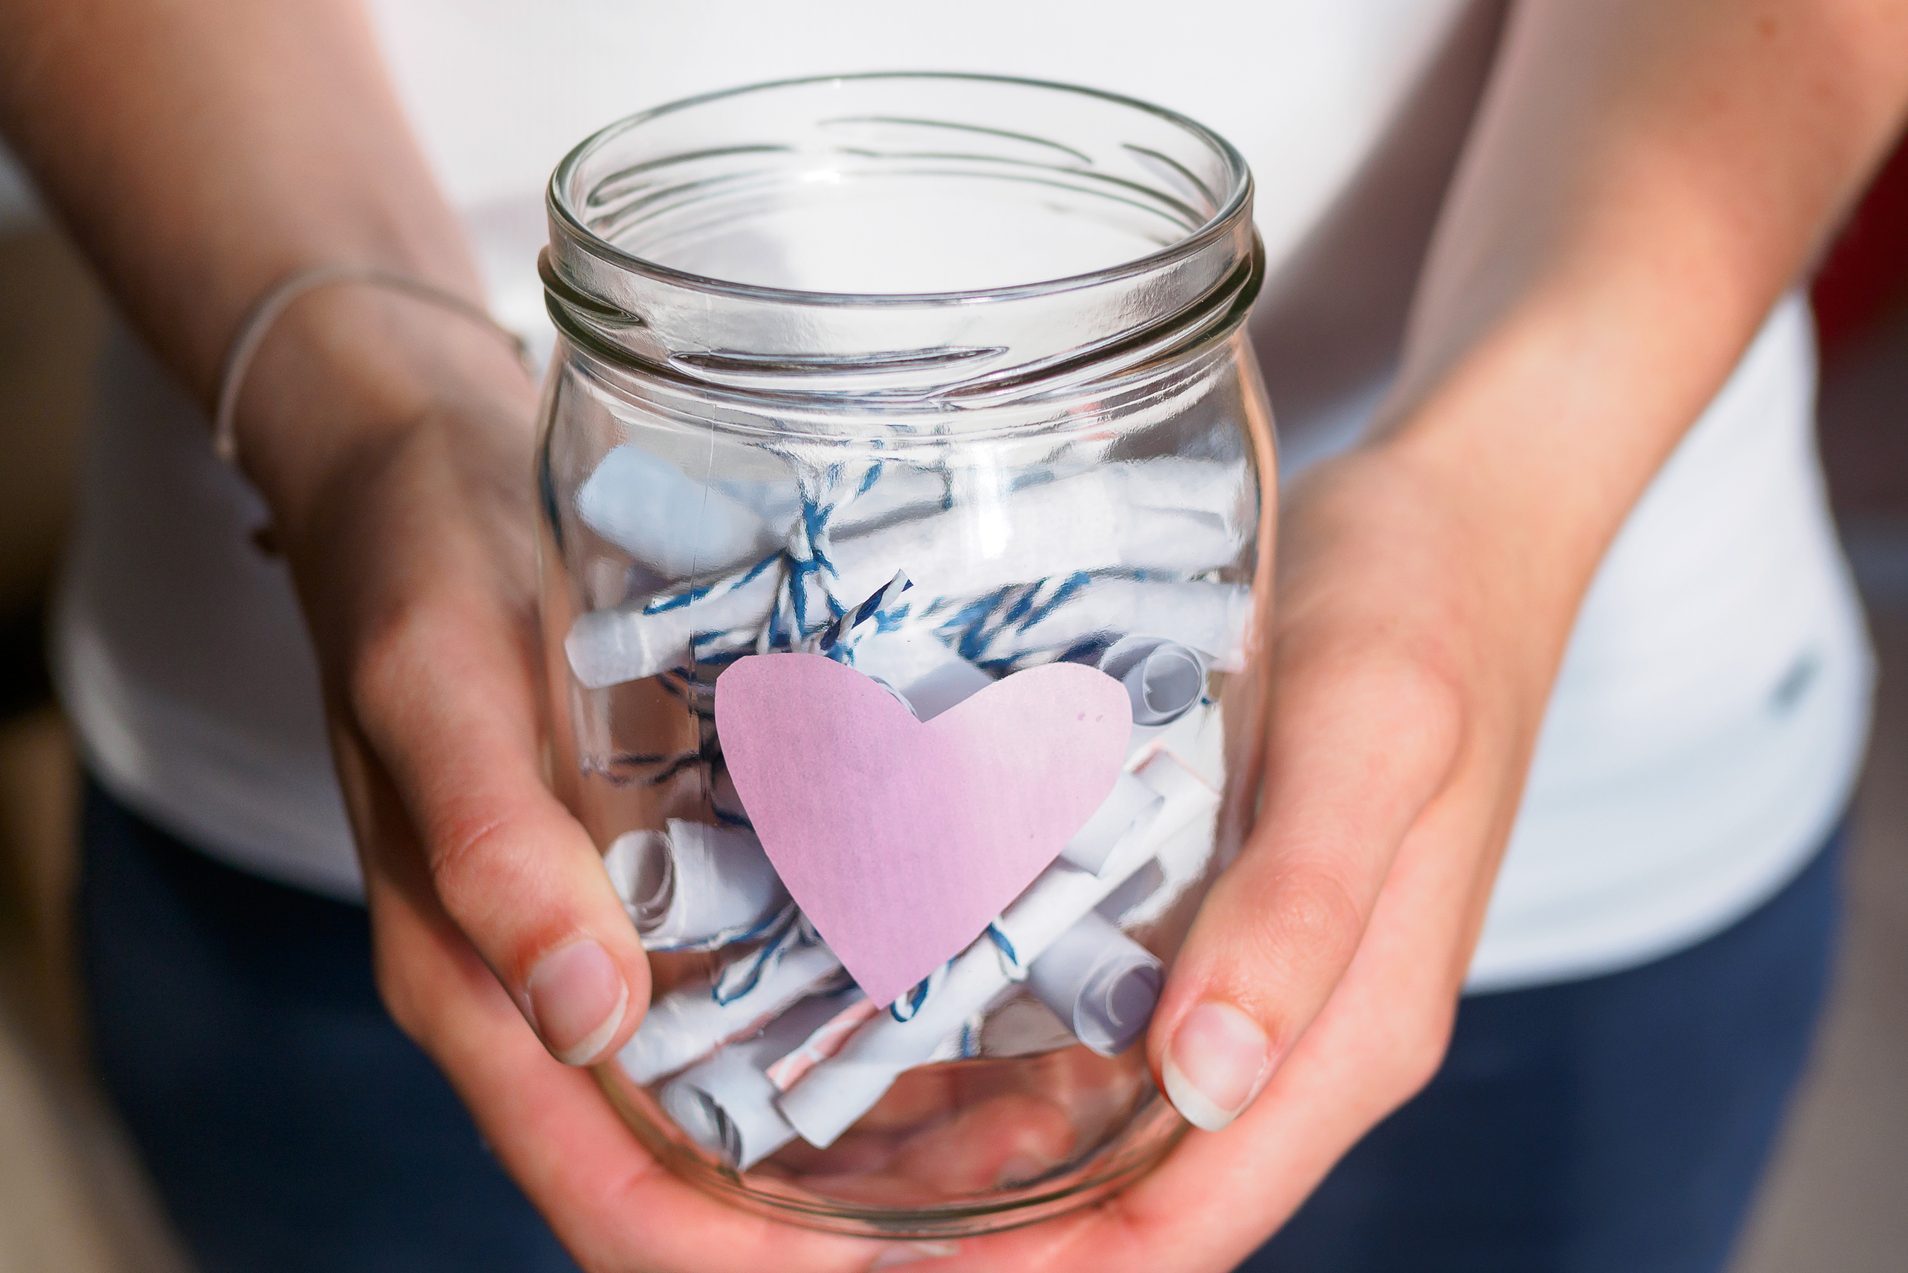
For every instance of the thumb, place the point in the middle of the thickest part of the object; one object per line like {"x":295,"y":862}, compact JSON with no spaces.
{"x":1357,"y":746}
{"x":447,"y":708}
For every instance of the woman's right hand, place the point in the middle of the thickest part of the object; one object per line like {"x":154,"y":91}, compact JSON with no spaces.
{"x":404,"y":507}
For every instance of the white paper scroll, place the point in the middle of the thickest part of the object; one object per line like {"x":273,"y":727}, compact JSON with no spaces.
{"x":1101,"y":982}
{"x":690,"y":1022}
{"x":1055,"y":528}
{"x":665,"y":519}
{"x":727,"y":1103}
{"x":1196,"y":613}
{"x":1163,"y":678}
{"x":1165,"y":681}
{"x":1134,"y":894}
{"x":1187,"y":858}
{"x":1130,"y":803}
{"x":837,"y":1092}
{"x":680,"y":526}
{"x":695,"y":886}
{"x":1223,"y":492}
{"x":920,"y":670}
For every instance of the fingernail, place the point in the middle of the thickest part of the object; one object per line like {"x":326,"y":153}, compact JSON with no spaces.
{"x":1218,"y":1060}
{"x":577,"y":997}
{"x":913,"y":1253}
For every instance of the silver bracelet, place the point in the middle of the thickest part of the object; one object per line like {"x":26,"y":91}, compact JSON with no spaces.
{"x":279,"y":298}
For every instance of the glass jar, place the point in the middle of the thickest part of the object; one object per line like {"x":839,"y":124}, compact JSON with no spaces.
{"x":906,"y":485}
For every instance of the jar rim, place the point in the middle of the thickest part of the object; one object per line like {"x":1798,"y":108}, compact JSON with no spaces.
{"x":1219,"y":223}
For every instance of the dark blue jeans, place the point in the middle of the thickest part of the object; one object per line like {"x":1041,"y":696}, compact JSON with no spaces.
{"x":1611,"y":1125}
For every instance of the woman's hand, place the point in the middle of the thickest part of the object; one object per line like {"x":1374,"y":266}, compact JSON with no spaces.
{"x":1641,"y":185}
{"x":405,"y":510}
{"x":1410,"y":657}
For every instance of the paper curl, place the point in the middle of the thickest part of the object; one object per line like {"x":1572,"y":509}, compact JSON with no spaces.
{"x":726,"y":1104}
{"x":1101,"y":982}
{"x":1164,"y":679}
{"x":695,"y":886}
{"x":692,"y":1021}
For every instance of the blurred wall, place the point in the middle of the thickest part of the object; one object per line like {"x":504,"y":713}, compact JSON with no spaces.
{"x":50,"y":319}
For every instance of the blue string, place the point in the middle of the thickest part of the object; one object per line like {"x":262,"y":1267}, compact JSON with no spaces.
{"x":881,"y":611}
{"x":1068,"y":590}
{"x":689,"y":596}
{"x":717,"y":940}
{"x":792,"y":933}
{"x":729,"y":819}
{"x":903,"y":1009}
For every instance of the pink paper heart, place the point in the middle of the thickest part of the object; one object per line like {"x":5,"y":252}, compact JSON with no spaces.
{"x":901,"y":840}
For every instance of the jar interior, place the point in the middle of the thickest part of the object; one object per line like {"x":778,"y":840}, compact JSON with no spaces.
{"x":898,"y":185}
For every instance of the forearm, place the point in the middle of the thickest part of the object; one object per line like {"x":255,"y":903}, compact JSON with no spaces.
{"x":1644,"y":181}
{"x":200,"y":150}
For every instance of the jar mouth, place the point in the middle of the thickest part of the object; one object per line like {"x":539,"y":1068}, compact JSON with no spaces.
{"x":568,"y":189}
{"x":896,"y":234}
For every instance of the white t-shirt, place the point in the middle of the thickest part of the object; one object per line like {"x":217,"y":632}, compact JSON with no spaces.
{"x":1708,"y":724}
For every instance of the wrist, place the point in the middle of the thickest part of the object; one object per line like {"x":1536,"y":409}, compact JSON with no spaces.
{"x":1444,"y":565}
{"x":348,"y":369}
{"x":1537,"y":440}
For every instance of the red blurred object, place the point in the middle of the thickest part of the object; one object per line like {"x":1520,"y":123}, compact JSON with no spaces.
{"x":1866,"y":274}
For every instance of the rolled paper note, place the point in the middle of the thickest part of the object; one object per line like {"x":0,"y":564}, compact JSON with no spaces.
{"x":887,"y":490}
{"x":692,"y":1021}
{"x":1099,"y":981}
{"x":642,"y":638}
{"x":1123,"y":901}
{"x":1024,"y":1026}
{"x":1192,"y":737}
{"x":920,"y":670}
{"x":1130,"y":803}
{"x":608,"y":647}
{"x":1181,"y":862}
{"x":1042,"y":529}
{"x":827,"y":1039}
{"x":695,"y":887}
{"x":838,"y":1091}
{"x":665,"y":519}
{"x":1015,"y":627}
{"x":900,"y":491}
{"x":1223,"y":492}
{"x":641,"y":872}
{"x":822,"y":1041}
{"x":1056,"y":528}
{"x":1216,"y":493}
{"x":726,"y":1104}
{"x":1164,"y":679}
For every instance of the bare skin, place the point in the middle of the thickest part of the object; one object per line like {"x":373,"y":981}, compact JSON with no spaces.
{"x":1644,"y":181}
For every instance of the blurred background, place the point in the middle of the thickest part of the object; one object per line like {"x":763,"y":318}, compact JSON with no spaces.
{"x":72,"y":1201}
